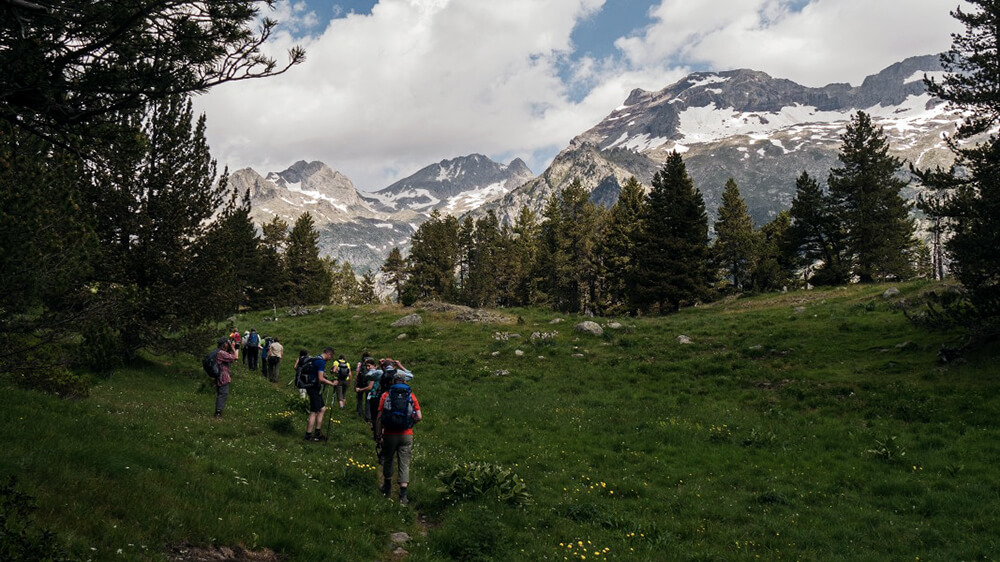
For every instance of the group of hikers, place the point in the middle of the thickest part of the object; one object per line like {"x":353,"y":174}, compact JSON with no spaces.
{"x":259,"y":350}
{"x":384,"y":398}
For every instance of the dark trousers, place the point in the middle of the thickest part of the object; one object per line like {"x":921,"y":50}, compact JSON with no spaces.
{"x":253,"y":353}
{"x":221,"y":394}
{"x":362,"y":405}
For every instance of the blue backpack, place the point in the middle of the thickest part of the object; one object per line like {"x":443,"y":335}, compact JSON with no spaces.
{"x":397,"y":411}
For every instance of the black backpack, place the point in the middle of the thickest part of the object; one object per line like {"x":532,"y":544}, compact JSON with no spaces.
{"x":305,"y":373}
{"x":397,"y":411}
{"x":211,"y":364}
{"x":388,"y":374}
{"x":343,"y":370}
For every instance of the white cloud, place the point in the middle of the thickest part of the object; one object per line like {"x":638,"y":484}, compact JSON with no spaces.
{"x":416,"y":81}
{"x":825,"y":41}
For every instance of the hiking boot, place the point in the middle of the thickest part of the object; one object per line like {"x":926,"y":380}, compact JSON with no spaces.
{"x":403,"y":500}
{"x":386,"y":488}
{"x":218,"y":414}
{"x":318,"y":436}
{"x":308,"y":437}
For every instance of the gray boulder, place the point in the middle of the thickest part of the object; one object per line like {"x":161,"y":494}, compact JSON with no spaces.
{"x":589,"y":327}
{"x":411,"y":320}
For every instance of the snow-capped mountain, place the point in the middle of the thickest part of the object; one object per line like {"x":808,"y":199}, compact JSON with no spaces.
{"x":362,"y":229}
{"x":761,"y":131}
{"x":452,"y":186}
{"x":348,"y":228}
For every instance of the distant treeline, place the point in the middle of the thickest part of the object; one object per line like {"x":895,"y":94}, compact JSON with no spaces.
{"x":651,"y":252}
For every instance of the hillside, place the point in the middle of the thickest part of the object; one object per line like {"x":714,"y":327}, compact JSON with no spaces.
{"x":812,"y":425}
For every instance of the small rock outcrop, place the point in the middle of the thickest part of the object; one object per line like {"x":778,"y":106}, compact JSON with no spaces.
{"x":589,"y":327}
{"x":410,"y":320}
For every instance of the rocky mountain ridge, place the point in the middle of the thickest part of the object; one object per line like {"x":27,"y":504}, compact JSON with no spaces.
{"x":362,"y":228}
{"x":761,"y":131}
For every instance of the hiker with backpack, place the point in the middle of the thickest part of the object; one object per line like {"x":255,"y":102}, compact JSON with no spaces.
{"x":360,"y":384}
{"x":389,"y":368}
{"x":343,"y":370}
{"x":253,"y":349}
{"x":296,"y":369}
{"x":216,"y":364}
{"x":274,"y":353}
{"x":265,"y":347}
{"x":312,"y":377}
{"x":398,"y":412}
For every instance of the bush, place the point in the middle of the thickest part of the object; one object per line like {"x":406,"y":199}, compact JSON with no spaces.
{"x":19,"y":538}
{"x":483,"y":480}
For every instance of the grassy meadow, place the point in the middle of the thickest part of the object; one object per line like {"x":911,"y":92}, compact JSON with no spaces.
{"x":811,"y":425}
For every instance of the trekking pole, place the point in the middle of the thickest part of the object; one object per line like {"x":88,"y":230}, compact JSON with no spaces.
{"x":329,"y":418}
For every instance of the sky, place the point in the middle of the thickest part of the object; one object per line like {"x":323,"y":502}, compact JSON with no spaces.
{"x":391,"y":86}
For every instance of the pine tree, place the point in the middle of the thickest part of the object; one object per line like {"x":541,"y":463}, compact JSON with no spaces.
{"x":309,"y":280}
{"x":617,"y":245}
{"x":815,"y":234}
{"x":433,"y":260}
{"x":735,"y":249}
{"x":153,"y":196}
{"x":774,"y":260}
{"x":522,"y":259}
{"x":865,"y":197}
{"x":394,"y":269}
{"x":366,"y":289}
{"x":672,"y":255}
{"x":69,"y":66}
{"x":568,"y":258}
{"x":270,"y":280}
{"x":344,"y":286}
{"x":968,"y":194}
{"x":484,"y":262}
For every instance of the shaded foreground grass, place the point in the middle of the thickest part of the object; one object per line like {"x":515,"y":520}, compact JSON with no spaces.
{"x":806,"y":426}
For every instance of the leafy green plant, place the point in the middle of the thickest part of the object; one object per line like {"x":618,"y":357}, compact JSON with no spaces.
{"x":483,"y":480}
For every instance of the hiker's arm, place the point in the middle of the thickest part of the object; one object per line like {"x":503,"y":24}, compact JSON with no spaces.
{"x":322,"y":378}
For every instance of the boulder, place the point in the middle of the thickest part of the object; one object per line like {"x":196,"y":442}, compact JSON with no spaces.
{"x":589,"y":327}
{"x":411,"y":320}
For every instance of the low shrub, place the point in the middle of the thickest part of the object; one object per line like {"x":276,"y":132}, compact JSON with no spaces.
{"x":483,"y":480}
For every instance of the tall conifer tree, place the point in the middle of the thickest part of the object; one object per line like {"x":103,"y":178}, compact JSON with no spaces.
{"x":309,"y":280}
{"x":672,"y":255}
{"x":865,"y":196}
{"x":735,"y":248}
{"x":617,"y":244}
{"x":969,"y":193}
{"x":815,"y":234}
{"x":394,"y":269}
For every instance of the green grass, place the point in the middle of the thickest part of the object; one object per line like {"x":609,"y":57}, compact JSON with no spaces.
{"x":805,"y":426}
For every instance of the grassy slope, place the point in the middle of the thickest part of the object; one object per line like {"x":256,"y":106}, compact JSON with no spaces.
{"x":812,"y":425}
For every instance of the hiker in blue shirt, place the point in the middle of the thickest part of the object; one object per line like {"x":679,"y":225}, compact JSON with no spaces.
{"x":315,"y":393}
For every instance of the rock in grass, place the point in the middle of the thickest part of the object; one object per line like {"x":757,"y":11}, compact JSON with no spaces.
{"x":890,"y":293}
{"x":399,"y":538}
{"x":589,"y":327}
{"x":411,"y":320}
{"x":518,"y":353}
{"x":684,"y":340}
{"x":614,"y":326}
